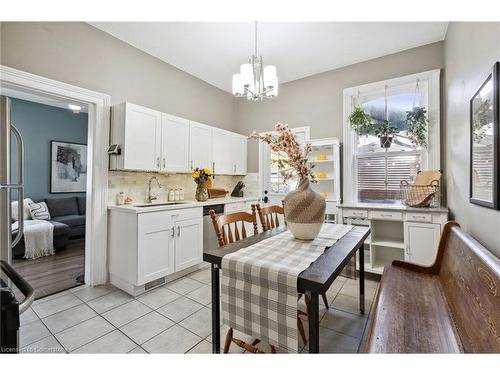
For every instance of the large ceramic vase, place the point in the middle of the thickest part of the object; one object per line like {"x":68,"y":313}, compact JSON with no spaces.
{"x":304,"y":211}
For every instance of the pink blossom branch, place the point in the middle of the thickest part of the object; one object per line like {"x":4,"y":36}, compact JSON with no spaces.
{"x":284,"y":140}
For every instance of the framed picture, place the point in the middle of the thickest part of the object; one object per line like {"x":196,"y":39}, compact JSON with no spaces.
{"x":484,"y":142}
{"x":68,"y":167}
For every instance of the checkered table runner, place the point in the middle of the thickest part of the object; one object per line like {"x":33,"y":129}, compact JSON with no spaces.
{"x":259,"y":284}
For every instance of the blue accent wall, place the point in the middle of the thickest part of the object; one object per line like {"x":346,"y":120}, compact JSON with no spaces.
{"x":39,"y":124}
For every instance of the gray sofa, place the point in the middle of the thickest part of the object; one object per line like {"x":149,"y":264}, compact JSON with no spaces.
{"x":69,"y":211}
{"x":67,"y":216}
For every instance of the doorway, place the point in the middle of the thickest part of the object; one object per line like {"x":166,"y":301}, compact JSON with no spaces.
{"x":273,"y":186}
{"x":51,"y":253}
{"x":98,"y":105}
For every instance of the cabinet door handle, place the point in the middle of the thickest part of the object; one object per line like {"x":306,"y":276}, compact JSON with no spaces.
{"x":213,"y":170}
{"x":173,"y":232}
{"x":234,"y":168}
{"x":386,"y":215}
{"x":158,"y":162}
{"x":191,"y":165}
{"x":164,"y":163}
{"x":178,"y":231}
{"x":407,"y":250}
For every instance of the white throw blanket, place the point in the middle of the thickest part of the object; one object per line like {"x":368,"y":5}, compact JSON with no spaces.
{"x":38,"y":238}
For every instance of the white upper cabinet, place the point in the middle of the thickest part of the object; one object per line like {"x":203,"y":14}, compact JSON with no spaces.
{"x":137,"y":129}
{"x":222,"y":149}
{"x":174,"y":144}
{"x":239,"y":154}
{"x":200,"y":146}
{"x":155,"y":141}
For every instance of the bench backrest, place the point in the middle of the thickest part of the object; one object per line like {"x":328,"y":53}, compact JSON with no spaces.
{"x":470,"y":276}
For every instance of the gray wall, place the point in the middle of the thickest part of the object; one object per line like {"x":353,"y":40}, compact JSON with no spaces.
{"x":79,"y":54}
{"x":317,"y":100}
{"x":39,"y":124}
{"x":470,"y":50}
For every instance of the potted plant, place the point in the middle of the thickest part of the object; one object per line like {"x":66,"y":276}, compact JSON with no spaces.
{"x":417,"y":126}
{"x":386,"y":133}
{"x":360,"y":121}
{"x":304,"y":208}
{"x":201,"y":177}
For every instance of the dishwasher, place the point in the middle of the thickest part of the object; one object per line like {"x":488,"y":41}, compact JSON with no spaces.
{"x":209,"y":236}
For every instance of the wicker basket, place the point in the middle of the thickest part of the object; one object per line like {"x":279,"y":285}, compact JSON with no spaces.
{"x":420,"y":195}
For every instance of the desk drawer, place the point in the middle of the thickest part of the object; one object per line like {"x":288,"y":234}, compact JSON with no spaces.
{"x":386,"y":215}
{"x":419,"y":216}
{"x":354,"y":213}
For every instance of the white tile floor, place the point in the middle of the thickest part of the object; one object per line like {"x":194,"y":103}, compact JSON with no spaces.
{"x":175,"y":318}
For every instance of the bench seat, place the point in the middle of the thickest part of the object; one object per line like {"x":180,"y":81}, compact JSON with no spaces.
{"x":411,"y":315}
{"x":451,"y":306}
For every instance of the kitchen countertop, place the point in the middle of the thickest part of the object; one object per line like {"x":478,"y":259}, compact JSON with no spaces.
{"x":186,"y":204}
{"x":392,"y":206}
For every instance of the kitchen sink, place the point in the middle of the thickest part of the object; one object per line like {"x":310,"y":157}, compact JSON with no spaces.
{"x":159,"y":204}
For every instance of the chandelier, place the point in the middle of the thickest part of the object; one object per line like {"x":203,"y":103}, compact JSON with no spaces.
{"x":254,"y":81}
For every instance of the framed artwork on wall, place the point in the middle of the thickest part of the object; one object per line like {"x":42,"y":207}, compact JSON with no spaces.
{"x":68,"y":167}
{"x":484,"y":142}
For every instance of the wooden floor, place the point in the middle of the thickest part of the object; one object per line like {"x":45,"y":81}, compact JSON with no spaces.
{"x":52,"y":274}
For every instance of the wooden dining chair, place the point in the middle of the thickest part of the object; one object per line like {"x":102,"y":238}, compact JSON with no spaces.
{"x":222,"y":227}
{"x":269,"y":216}
{"x":269,"y":219}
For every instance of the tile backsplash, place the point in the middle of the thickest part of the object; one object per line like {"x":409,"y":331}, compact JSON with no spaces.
{"x":135,"y":185}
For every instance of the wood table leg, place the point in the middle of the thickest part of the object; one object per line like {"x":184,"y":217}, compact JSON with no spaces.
{"x":361,"y":279}
{"x":215,"y":310}
{"x":313,"y":315}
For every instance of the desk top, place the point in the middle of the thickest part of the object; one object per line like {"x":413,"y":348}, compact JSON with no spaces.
{"x":321,"y":273}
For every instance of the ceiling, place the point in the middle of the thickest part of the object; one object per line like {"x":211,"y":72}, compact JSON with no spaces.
{"x":214,"y":51}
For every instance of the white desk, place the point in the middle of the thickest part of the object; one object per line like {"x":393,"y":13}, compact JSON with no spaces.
{"x":397,"y":232}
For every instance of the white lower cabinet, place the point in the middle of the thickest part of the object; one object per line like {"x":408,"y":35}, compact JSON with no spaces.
{"x":147,"y":247}
{"x":155,"y":247}
{"x":421,"y":242}
{"x":188,"y":243}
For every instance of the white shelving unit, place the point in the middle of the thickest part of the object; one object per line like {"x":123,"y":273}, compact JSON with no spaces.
{"x":325,"y":156}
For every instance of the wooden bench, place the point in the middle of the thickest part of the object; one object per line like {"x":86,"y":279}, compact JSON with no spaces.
{"x":449,"y":307}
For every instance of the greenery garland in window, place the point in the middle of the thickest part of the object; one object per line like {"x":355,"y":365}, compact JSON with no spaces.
{"x":417,"y":126}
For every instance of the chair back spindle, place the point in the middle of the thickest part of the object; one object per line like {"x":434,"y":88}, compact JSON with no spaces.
{"x":226,"y":226}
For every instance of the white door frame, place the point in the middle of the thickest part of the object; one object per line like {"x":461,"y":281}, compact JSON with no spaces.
{"x":263,"y":169}
{"x":97,"y":176}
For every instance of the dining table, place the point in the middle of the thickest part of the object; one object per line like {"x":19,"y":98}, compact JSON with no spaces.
{"x":313,"y":281}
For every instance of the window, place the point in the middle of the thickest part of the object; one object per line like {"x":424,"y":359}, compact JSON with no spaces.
{"x":380,"y":170}
{"x":377,"y":171}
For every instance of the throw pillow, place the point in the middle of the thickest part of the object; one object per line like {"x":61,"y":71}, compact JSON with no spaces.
{"x":27,"y":215}
{"x":39,"y":211}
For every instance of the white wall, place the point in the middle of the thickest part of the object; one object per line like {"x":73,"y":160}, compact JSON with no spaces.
{"x":79,"y":54}
{"x":470,"y":50}
{"x":317,"y":101}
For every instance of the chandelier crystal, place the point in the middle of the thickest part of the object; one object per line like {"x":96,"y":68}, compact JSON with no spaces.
{"x":254,"y":81}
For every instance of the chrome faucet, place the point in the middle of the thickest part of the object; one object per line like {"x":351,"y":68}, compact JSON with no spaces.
{"x":152,"y":197}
